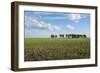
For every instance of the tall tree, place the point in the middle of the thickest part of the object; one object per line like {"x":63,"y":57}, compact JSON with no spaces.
{"x":52,"y":36}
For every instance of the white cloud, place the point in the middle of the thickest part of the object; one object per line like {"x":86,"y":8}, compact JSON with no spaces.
{"x":74,"y":16}
{"x":32,"y":23}
{"x":70,"y":27}
{"x":41,"y":12}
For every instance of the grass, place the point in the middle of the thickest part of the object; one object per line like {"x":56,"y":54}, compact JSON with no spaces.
{"x":38,"y":49}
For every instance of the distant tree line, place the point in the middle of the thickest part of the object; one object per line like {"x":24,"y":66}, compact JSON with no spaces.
{"x":69,"y":36}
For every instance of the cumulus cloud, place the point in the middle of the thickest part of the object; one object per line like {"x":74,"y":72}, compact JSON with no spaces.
{"x":32,"y":23}
{"x":70,"y":27}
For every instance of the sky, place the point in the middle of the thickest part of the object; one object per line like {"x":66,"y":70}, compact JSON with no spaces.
{"x":40,"y":24}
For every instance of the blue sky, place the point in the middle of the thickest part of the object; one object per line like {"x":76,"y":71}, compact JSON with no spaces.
{"x":42,"y":24}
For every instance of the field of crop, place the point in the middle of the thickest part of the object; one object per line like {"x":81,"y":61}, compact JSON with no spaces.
{"x":39,"y":49}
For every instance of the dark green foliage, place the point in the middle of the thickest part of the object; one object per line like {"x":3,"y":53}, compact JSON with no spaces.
{"x":53,"y":36}
{"x":76,"y":36}
{"x":61,"y":35}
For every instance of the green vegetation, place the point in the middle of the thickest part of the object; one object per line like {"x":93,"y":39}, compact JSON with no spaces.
{"x":69,"y":36}
{"x":38,"y":49}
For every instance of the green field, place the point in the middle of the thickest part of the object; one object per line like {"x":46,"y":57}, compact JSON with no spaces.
{"x":38,"y":49}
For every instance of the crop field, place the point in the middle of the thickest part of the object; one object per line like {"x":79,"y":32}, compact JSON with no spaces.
{"x":40,"y":49}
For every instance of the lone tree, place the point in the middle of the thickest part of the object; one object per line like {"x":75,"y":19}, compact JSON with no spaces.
{"x":52,"y":36}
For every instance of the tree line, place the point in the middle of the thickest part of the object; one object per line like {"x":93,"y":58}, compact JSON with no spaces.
{"x":69,"y":36}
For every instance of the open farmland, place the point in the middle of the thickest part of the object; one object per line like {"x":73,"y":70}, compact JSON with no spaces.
{"x":39,"y":49}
